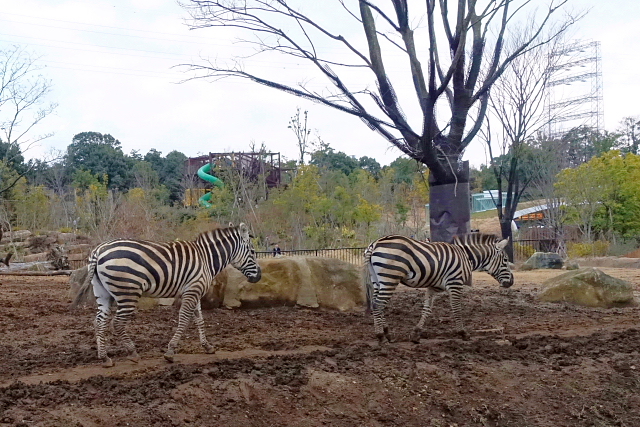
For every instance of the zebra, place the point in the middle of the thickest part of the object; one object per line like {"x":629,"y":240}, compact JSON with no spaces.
{"x":438,"y":267}
{"x":122,"y":270}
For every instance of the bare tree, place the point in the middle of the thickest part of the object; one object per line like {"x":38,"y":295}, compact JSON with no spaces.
{"x":551,"y":160}
{"x":299,"y":127}
{"x":516,"y":113}
{"x":22,"y":105}
{"x":459,"y":82}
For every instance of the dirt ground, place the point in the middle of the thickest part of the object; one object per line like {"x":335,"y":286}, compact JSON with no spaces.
{"x":551,"y":365}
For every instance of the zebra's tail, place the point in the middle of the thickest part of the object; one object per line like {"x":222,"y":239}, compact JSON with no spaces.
{"x":84,"y":291}
{"x":366,"y":279}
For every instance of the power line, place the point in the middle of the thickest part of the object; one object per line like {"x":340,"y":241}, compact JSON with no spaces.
{"x":94,"y":45}
{"x":114,"y":34}
{"x":98,"y":25}
{"x":177,"y":56}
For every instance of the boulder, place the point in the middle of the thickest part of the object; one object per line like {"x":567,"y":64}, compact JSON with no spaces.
{"x":571,"y":265}
{"x":588,"y":287}
{"x":305,"y":281}
{"x":543,"y":260}
{"x":76,"y":279}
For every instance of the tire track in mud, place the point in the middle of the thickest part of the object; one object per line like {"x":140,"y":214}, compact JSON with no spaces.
{"x":126,"y":368}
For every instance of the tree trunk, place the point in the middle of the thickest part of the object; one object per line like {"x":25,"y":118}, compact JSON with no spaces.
{"x":507,"y":233}
{"x":449,"y":205}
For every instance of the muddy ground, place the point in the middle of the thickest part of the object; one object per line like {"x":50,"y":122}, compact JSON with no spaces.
{"x":553,"y":364}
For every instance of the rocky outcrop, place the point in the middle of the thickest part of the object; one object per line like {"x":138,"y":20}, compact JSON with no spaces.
{"x":588,"y":287}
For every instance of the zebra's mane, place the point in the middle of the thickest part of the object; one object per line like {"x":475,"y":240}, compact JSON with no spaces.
{"x":475,"y":239}
{"x":214,"y":232}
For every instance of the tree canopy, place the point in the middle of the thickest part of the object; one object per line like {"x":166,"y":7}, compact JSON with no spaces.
{"x":100,"y":154}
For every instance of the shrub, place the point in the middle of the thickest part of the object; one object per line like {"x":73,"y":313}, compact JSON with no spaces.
{"x":581,"y":250}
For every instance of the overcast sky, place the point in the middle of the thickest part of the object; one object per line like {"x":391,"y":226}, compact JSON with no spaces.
{"x":110,"y":63}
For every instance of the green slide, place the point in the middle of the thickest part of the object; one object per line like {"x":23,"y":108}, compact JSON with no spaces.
{"x":203,"y":173}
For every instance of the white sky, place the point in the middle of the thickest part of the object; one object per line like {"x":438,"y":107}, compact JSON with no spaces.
{"x":110,"y":64}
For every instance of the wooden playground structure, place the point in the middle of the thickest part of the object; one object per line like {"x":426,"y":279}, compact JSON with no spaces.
{"x":251,"y":166}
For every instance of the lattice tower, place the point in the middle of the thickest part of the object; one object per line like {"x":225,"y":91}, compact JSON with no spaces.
{"x":574,"y":91}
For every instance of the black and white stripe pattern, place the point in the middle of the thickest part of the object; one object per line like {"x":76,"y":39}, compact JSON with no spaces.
{"x":122,"y":270}
{"x":438,"y":267}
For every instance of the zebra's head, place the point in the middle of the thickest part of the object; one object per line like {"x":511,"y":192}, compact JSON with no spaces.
{"x":245,"y":257}
{"x":498,"y":265}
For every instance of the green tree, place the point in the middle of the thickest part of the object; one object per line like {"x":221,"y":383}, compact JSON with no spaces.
{"x":371,"y":165}
{"x":405,"y":169}
{"x":32,"y":207}
{"x":629,"y":132}
{"x":83,"y":179}
{"x":327,"y":158}
{"x":583,"y":143}
{"x":170,"y":170}
{"x":603,"y":195}
{"x":101,"y":155}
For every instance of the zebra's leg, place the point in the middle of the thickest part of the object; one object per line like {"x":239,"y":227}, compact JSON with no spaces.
{"x":104,"y":301}
{"x":120,"y":321}
{"x":381,"y":298}
{"x":199,"y":321}
{"x":190,"y":301}
{"x":455,"y":298}
{"x":426,"y":313}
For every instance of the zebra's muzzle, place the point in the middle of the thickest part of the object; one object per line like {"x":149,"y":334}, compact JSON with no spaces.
{"x":256,"y":278}
{"x":507,"y":283}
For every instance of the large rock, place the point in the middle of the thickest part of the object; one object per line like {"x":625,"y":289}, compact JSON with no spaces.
{"x":543,"y":260}
{"x":76,"y":279}
{"x":588,"y":287}
{"x":305,"y":281}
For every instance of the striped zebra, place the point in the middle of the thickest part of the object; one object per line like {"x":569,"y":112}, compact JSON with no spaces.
{"x":122,"y":270}
{"x":438,"y":267}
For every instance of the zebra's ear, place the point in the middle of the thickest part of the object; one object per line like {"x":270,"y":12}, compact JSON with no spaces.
{"x":230,"y":224}
{"x":502,"y":244}
{"x":244,"y":230}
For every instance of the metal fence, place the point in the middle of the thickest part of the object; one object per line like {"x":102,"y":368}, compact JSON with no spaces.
{"x":352,"y":255}
{"x":523,"y":249}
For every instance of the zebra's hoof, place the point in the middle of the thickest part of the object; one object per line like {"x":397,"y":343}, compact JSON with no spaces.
{"x":169,"y":356}
{"x":415,"y":337}
{"x":383,"y":340}
{"x":210,"y":349}
{"x":107,"y":363}
{"x":466,"y":336}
